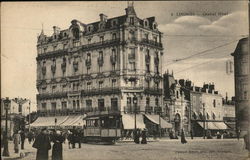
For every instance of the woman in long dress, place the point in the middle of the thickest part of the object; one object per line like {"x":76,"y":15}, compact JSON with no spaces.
{"x":16,"y":141}
{"x":183,"y":139}
{"x":57,"y":139}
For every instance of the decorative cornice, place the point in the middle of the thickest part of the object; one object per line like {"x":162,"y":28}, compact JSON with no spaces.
{"x":53,"y":54}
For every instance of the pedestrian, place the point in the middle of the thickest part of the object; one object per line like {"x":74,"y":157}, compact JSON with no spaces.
{"x":144,"y":137}
{"x":246,"y":141}
{"x":183,"y":140}
{"x":30,"y":136}
{"x":191,"y":134}
{"x":16,"y":141}
{"x":69,"y":138}
{"x":42,"y":144}
{"x":79,"y":138}
{"x":57,"y":148}
{"x":74,"y":138}
{"x":22,"y":134}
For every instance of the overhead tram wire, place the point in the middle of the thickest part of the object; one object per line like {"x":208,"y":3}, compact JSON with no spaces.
{"x":194,"y":66}
{"x":202,"y":52}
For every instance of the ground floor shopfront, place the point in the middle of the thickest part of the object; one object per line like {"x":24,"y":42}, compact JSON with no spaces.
{"x":129,"y":122}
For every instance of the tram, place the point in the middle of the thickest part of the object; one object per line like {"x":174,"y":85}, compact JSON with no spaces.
{"x":102,"y":128}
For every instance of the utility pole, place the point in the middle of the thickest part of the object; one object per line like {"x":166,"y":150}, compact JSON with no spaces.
{"x":6,"y":143}
{"x":29,"y":115}
{"x":204,"y":121}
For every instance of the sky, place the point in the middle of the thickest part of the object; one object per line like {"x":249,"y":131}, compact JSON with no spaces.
{"x":199,"y":37}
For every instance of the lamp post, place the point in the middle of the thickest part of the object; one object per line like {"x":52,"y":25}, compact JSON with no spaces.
{"x":6,"y":147}
{"x":29,"y":116}
{"x":135,"y":109}
{"x":204,"y":121}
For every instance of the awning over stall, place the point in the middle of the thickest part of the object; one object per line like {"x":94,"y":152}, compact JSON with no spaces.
{"x":49,"y":121}
{"x":128,"y":121}
{"x":155,"y":119}
{"x":213,"y":125}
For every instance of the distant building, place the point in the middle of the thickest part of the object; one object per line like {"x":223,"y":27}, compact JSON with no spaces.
{"x":241,"y":77}
{"x":229,"y":112}
{"x":18,"y":109}
{"x":177,"y":106}
{"x":193,"y":108}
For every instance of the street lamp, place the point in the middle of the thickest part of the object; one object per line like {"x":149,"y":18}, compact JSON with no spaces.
{"x":29,"y":116}
{"x":6,"y":147}
{"x":204,"y":121}
{"x":135,"y":108}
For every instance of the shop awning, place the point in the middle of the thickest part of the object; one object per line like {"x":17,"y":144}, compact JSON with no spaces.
{"x":213,"y":125}
{"x":220,"y":125}
{"x":155,"y":119}
{"x":128,"y":121}
{"x":49,"y":121}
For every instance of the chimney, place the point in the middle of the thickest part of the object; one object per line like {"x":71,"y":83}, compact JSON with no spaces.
{"x":56,"y":30}
{"x":226,"y":97}
{"x":103,"y":17}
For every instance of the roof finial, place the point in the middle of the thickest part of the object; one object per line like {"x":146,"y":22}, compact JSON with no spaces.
{"x":172,"y":72}
{"x":42,"y":32}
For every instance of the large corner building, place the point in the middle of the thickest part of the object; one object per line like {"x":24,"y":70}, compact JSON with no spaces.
{"x":105,"y":65}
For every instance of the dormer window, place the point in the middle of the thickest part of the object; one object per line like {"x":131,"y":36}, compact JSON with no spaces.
{"x":89,"y":40}
{"x":89,"y":28}
{"x":154,"y":26}
{"x":145,"y":23}
{"x":114,"y":36}
{"x":131,"y":20}
{"x":65,"y":34}
{"x":54,"y":36}
{"x":76,"y":33}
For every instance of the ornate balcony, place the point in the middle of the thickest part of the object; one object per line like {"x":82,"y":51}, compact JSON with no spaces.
{"x":102,"y":44}
{"x":153,"y":91}
{"x":102,"y":91}
{"x":131,"y":56}
{"x":53,"y":54}
{"x":148,"y":109}
{"x":51,"y":95}
{"x":151,"y":43}
{"x":132,"y":109}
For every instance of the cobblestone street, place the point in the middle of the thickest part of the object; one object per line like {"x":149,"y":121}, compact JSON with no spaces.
{"x":226,"y":149}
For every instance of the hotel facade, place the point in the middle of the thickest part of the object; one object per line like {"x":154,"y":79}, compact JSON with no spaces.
{"x":114,"y":64}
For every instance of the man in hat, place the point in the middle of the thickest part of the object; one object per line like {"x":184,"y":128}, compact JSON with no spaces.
{"x":42,"y":144}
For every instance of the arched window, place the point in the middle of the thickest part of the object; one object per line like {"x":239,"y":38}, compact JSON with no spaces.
{"x":75,"y":32}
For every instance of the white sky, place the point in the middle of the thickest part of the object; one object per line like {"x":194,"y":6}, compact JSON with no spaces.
{"x":22,"y":22}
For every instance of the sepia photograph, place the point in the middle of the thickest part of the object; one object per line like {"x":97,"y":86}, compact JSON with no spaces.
{"x":125,"y":80}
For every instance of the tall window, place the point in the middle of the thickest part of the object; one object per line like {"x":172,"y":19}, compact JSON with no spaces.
{"x":113,"y":59}
{"x":114,"y":36}
{"x":74,"y":104}
{"x":148,"y":84}
{"x":78,"y":104}
{"x":113,"y":83}
{"x":100,"y":61}
{"x":101,"y":39}
{"x":214,"y":103}
{"x":88,"y":86}
{"x":131,"y":20}
{"x":114,"y":104}
{"x":245,"y":95}
{"x":89,"y":41}
{"x":147,"y":101}
{"x":100,"y":85}
{"x":132,"y":66}
{"x":44,"y":106}
{"x":129,"y":101}
{"x":156,"y":102}
{"x":64,"y":105}
{"x":89,"y":104}
{"x":53,"y":89}
{"x":53,"y":106}
{"x":101,"y":104}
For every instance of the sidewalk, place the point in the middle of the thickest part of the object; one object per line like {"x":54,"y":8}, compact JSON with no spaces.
{"x":13,"y":155}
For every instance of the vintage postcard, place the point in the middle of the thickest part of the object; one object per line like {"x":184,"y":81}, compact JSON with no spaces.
{"x":108,"y":80}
